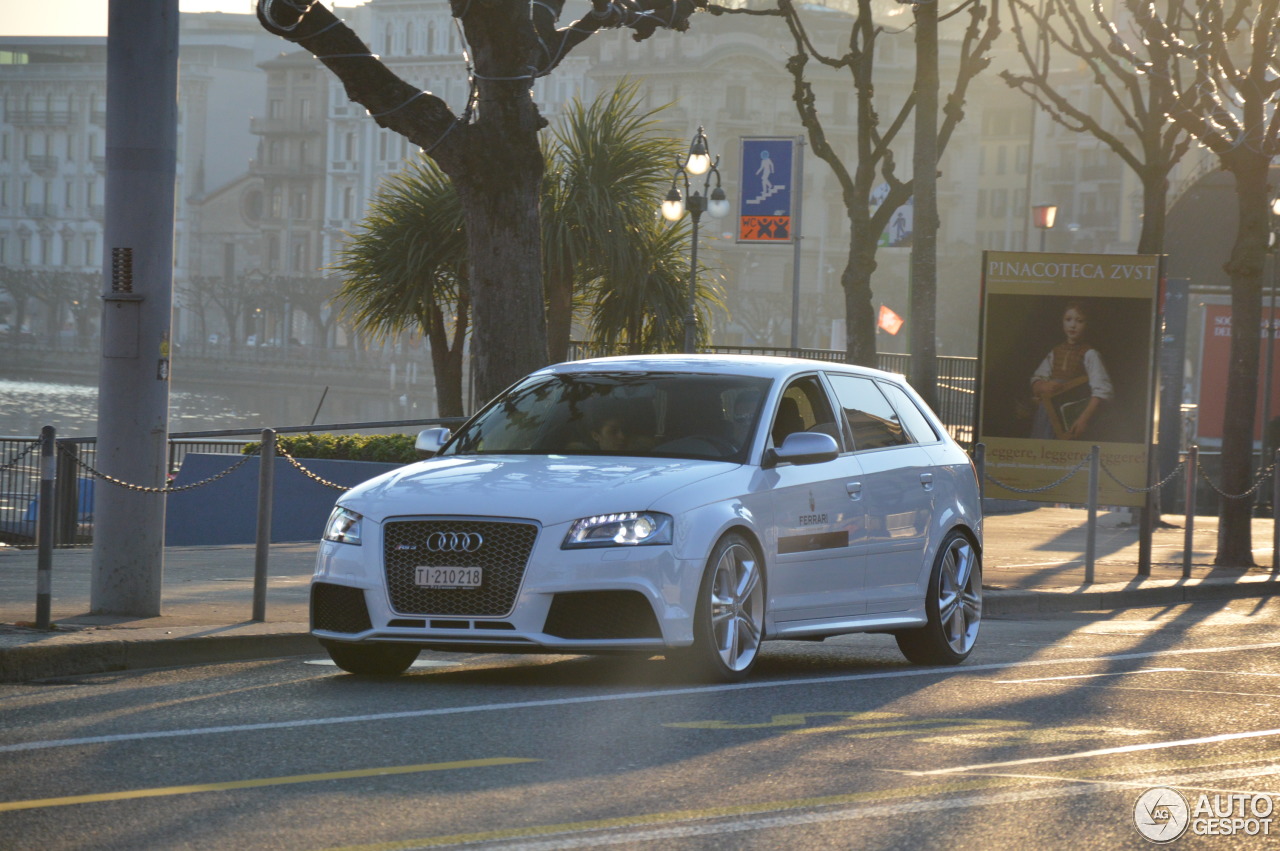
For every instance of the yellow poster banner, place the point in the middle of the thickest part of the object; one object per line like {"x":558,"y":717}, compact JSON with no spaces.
{"x":1068,"y":347}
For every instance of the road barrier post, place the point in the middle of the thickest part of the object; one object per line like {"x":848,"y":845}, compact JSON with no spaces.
{"x":1189,"y":527}
{"x":45,"y":511}
{"x":266,"y":487}
{"x":1091,"y":537}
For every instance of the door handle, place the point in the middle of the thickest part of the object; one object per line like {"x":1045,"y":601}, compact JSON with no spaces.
{"x":854,"y":489}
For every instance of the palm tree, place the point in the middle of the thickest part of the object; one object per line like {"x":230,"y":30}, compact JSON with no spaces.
{"x":607,"y":258}
{"x":406,"y":270}
{"x":604,"y":249}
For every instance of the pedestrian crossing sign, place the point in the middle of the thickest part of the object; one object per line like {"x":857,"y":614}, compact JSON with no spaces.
{"x":765,"y":210}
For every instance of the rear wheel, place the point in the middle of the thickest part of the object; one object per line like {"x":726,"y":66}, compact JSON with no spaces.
{"x":953,"y":605}
{"x":729,"y":618}
{"x":372,"y":660}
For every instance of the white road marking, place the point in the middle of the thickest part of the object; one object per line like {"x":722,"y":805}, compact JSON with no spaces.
{"x":1149,"y":746}
{"x":1089,"y":676}
{"x":604,"y":698}
{"x":713,"y":825}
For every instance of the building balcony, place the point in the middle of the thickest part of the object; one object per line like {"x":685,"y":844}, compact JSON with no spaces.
{"x":43,"y":164}
{"x":40,"y":211}
{"x":99,"y":163}
{"x":285,"y":126}
{"x":291,"y":169}
{"x":39,"y":117}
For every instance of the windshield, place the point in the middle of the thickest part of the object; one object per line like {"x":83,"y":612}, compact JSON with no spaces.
{"x":661,"y":415}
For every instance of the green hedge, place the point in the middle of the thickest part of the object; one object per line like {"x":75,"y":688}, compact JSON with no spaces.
{"x":388,"y":448}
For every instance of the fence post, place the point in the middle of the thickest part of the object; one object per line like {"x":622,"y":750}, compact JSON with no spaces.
{"x":266,"y":488}
{"x":66,"y":522}
{"x":1193,"y":473}
{"x":1275,"y":512}
{"x":1091,"y":531}
{"x":45,"y":512}
{"x":980,"y":466}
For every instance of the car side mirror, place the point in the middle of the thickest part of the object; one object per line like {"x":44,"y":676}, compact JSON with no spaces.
{"x":430,"y":441}
{"x":803,"y":447}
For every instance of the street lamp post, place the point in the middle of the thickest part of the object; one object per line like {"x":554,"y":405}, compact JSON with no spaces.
{"x":1043,"y":217}
{"x":712,"y":201}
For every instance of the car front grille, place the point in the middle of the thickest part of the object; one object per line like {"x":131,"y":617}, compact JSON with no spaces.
{"x":502,"y":555}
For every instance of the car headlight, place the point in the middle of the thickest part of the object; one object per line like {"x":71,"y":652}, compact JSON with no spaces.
{"x":627,"y":528}
{"x":343,"y":526}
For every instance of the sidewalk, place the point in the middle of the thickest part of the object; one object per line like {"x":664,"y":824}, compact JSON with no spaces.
{"x":1033,"y":563}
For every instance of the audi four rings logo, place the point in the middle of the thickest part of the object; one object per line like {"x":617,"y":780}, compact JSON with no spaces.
{"x":454,"y":542}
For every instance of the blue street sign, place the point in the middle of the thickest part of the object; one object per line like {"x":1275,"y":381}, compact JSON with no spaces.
{"x":765,"y":210}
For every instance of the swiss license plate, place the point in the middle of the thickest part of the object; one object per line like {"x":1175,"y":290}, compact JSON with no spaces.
{"x":447,"y":577}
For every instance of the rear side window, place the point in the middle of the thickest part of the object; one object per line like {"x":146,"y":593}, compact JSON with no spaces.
{"x":917,"y":424}
{"x":872,"y":420}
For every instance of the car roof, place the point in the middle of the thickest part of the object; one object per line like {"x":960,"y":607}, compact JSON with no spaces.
{"x":755,"y":365}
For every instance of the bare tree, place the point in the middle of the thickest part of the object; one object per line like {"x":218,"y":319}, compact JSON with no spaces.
{"x":1139,"y":78}
{"x":874,"y":159}
{"x":491,"y":150}
{"x":1234,"y":110}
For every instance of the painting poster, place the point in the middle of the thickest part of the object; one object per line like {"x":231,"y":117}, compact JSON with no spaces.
{"x":1066,"y":363}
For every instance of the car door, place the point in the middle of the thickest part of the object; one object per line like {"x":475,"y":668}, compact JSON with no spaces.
{"x":817,"y":522}
{"x":897,"y":487}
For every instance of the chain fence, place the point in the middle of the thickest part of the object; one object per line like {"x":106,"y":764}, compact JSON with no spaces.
{"x":12,"y":463}
{"x":1263,"y":476}
{"x":166,"y":489}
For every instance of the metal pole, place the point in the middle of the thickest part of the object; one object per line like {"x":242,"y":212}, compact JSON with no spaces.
{"x":133,"y":385}
{"x":1091,"y":530}
{"x":1266,"y":386}
{"x":1193,"y":470}
{"x":690,"y":317}
{"x":45,"y":510}
{"x":266,"y":488}
{"x":1275,"y":502}
{"x":980,"y":466}
{"x":798,"y":183}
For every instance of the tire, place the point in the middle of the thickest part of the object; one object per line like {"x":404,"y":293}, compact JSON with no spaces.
{"x":953,"y":605}
{"x":372,"y":660}
{"x":728,"y":623}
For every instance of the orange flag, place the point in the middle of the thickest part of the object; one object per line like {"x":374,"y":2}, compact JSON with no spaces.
{"x":889,"y":320}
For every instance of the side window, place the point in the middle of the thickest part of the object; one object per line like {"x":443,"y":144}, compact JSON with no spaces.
{"x":917,"y":424}
{"x":803,"y":407}
{"x":871,"y":418}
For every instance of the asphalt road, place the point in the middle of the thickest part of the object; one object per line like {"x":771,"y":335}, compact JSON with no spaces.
{"x":1046,"y":738}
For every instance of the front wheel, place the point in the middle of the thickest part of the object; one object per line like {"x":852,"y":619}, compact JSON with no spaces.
{"x":371,"y":660}
{"x":729,"y":616}
{"x":953,"y":605}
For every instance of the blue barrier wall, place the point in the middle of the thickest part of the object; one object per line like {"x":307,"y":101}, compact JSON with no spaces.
{"x":226,"y":511}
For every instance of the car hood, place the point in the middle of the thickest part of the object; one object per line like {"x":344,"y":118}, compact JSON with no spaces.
{"x":550,"y":489}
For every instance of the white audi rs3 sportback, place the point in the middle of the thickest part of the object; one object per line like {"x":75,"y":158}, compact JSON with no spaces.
{"x":690,"y":506}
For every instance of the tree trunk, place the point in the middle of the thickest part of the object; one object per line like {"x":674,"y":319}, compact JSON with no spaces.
{"x":1235,"y":542}
{"x":446,"y":360}
{"x":924,"y":231}
{"x":860,"y":317}
{"x":1155,"y":192}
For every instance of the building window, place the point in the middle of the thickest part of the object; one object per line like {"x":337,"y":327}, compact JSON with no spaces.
{"x":982,"y":203}
{"x":736,"y":101}
{"x":351,"y":147}
{"x":1002,"y":156}
{"x":348,"y":202}
{"x":999,"y":201}
{"x":275,"y":108}
{"x":1022,"y":158}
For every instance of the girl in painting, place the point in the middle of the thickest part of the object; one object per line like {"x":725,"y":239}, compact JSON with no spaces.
{"x":1071,"y":382}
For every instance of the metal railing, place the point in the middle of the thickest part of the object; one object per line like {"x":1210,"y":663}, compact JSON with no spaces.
{"x":76,"y":461}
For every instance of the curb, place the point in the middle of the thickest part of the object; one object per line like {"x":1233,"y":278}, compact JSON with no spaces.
{"x":1123,"y":596}
{"x":34,"y":662}
{"x":30,"y":662}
